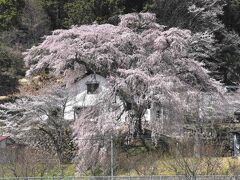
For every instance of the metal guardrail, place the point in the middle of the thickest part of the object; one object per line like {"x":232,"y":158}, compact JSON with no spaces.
{"x":127,"y":178}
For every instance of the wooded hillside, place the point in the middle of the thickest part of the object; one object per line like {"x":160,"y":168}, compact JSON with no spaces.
{"x":24,"y":22}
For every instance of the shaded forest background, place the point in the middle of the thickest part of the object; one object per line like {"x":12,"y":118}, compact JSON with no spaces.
{"x":24,"y":22}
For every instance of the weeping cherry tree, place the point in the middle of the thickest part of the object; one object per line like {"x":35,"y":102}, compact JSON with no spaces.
{"x":146,"y":65}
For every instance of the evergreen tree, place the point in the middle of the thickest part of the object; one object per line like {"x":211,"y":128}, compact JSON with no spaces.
{"x":10,"y":11}
{"x":11,"y":70}
{"x":231,"y":17}
{"x":55,"y":11}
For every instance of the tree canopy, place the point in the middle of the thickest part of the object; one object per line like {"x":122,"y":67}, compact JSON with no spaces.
{"x":10,"y":11}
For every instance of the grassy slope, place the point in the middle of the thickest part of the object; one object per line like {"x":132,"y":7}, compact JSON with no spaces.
{"x":217,"y":166}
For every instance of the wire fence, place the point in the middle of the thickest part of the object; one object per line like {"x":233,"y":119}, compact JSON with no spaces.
{"x":128,"y":178}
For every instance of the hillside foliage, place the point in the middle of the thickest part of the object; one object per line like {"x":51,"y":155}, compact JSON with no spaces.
{"x":23,"y":23}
